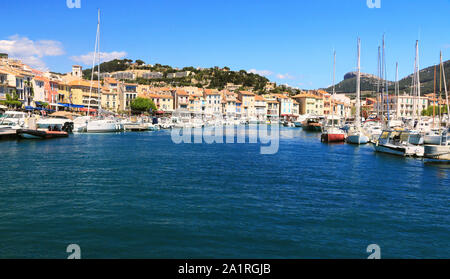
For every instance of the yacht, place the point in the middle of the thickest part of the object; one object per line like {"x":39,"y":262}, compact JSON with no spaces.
{"x":12,"y":119}
{"x":103,"y":126}
{"x":62,"y":121}
{"x":312,"y":124}
{"x":441,"y":151}
{"x":397,"y":143}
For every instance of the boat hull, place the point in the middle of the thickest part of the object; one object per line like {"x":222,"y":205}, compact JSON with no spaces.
{"x":405,"y":151}
{"x":333,"y":137}
{"x":102,"y":127}
{"x":357,"y":139}
{"x":39,"y":134}
{"x":312,"y":128}
{"x":437,"y":152}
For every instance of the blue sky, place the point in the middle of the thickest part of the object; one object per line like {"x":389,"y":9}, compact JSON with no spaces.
{"x":291,"y":42}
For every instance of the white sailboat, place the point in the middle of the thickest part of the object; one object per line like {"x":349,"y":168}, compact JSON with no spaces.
{"x":99,"y":124}
{"x":416,"y":137}
{"x":356,"y":134}
{"x":441,"y":151}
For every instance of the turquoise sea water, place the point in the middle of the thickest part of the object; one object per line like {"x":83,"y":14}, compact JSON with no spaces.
{"x":139,"y":195}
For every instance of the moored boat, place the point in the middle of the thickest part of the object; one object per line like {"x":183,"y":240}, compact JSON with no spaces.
{"x":41,"y":134}
{"x":312,"y":125}
{"x":397,"y":143}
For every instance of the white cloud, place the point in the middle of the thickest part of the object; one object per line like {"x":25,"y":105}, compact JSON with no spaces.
{"x":86,"y":59}
{"x":260,"y":72}
{"x":29,"y":51}
{"x":285,"y":76}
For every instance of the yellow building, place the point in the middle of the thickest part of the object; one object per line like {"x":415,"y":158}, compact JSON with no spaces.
{"x":80,"y":91}
{"x":162,"y":102}
{"x":248,"y":103}
{"x":309,"y":104}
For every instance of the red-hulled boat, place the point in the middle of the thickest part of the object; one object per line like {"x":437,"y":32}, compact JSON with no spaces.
{"x":333,"y":135}
{"x":41,"y":134}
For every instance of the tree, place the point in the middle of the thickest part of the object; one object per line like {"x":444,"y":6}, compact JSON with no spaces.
{"x":140,"y":62}
{"x":141,"y":105}
{"x":12,"y":101}
{"x":429,"y":110}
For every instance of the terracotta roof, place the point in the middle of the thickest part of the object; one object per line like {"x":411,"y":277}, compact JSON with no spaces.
{"x":247,"y":93}
{"x":259,"y":98}
{"x":211,"y":92}
{"x":306,"y":95}
{"x":82,"y":82}
{"x":182,"y":93}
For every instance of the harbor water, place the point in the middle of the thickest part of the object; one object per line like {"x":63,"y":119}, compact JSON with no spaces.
{"x":139,"y":195}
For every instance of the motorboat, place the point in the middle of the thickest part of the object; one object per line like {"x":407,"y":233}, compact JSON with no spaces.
{"x":312,"y":124}
{"x":331,"y":132}
{"x":397,"y":143}
{"x":41,"y":134}
{"x":58,"y":121}
{"x":103,"y":126}
{"x":13,"y":118}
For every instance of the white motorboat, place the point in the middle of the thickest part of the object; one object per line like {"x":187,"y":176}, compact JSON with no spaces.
{"x":397,"y":143}
{"x":13,"y":118}
{"x":103,"y":126}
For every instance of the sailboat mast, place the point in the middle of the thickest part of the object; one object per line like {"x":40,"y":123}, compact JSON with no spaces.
{"x":446,"y":92}
{"x":92,"y":72}
{"x":378,"y":83}
{"x":334,"y":88}
{"x":435,"y":97}
{"x":418,"y":79}
{"x":358,"y":87}
{"x":99,"y":100}
{"x":397,"y":89}
{"x":387,"y":85}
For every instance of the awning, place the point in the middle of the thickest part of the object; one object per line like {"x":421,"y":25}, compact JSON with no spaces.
{"x":29,"y":108}
{"x":90,"y":110}
{"x":70,"y":105}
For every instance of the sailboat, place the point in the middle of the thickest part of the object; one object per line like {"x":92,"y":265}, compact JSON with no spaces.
{"x":416,"y":131}
{"x":356,"y":134}
{"x":331,"y":131}
{"x":441,"y":151}
{"x":99,"y":125}
{"x":394,"y":141}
